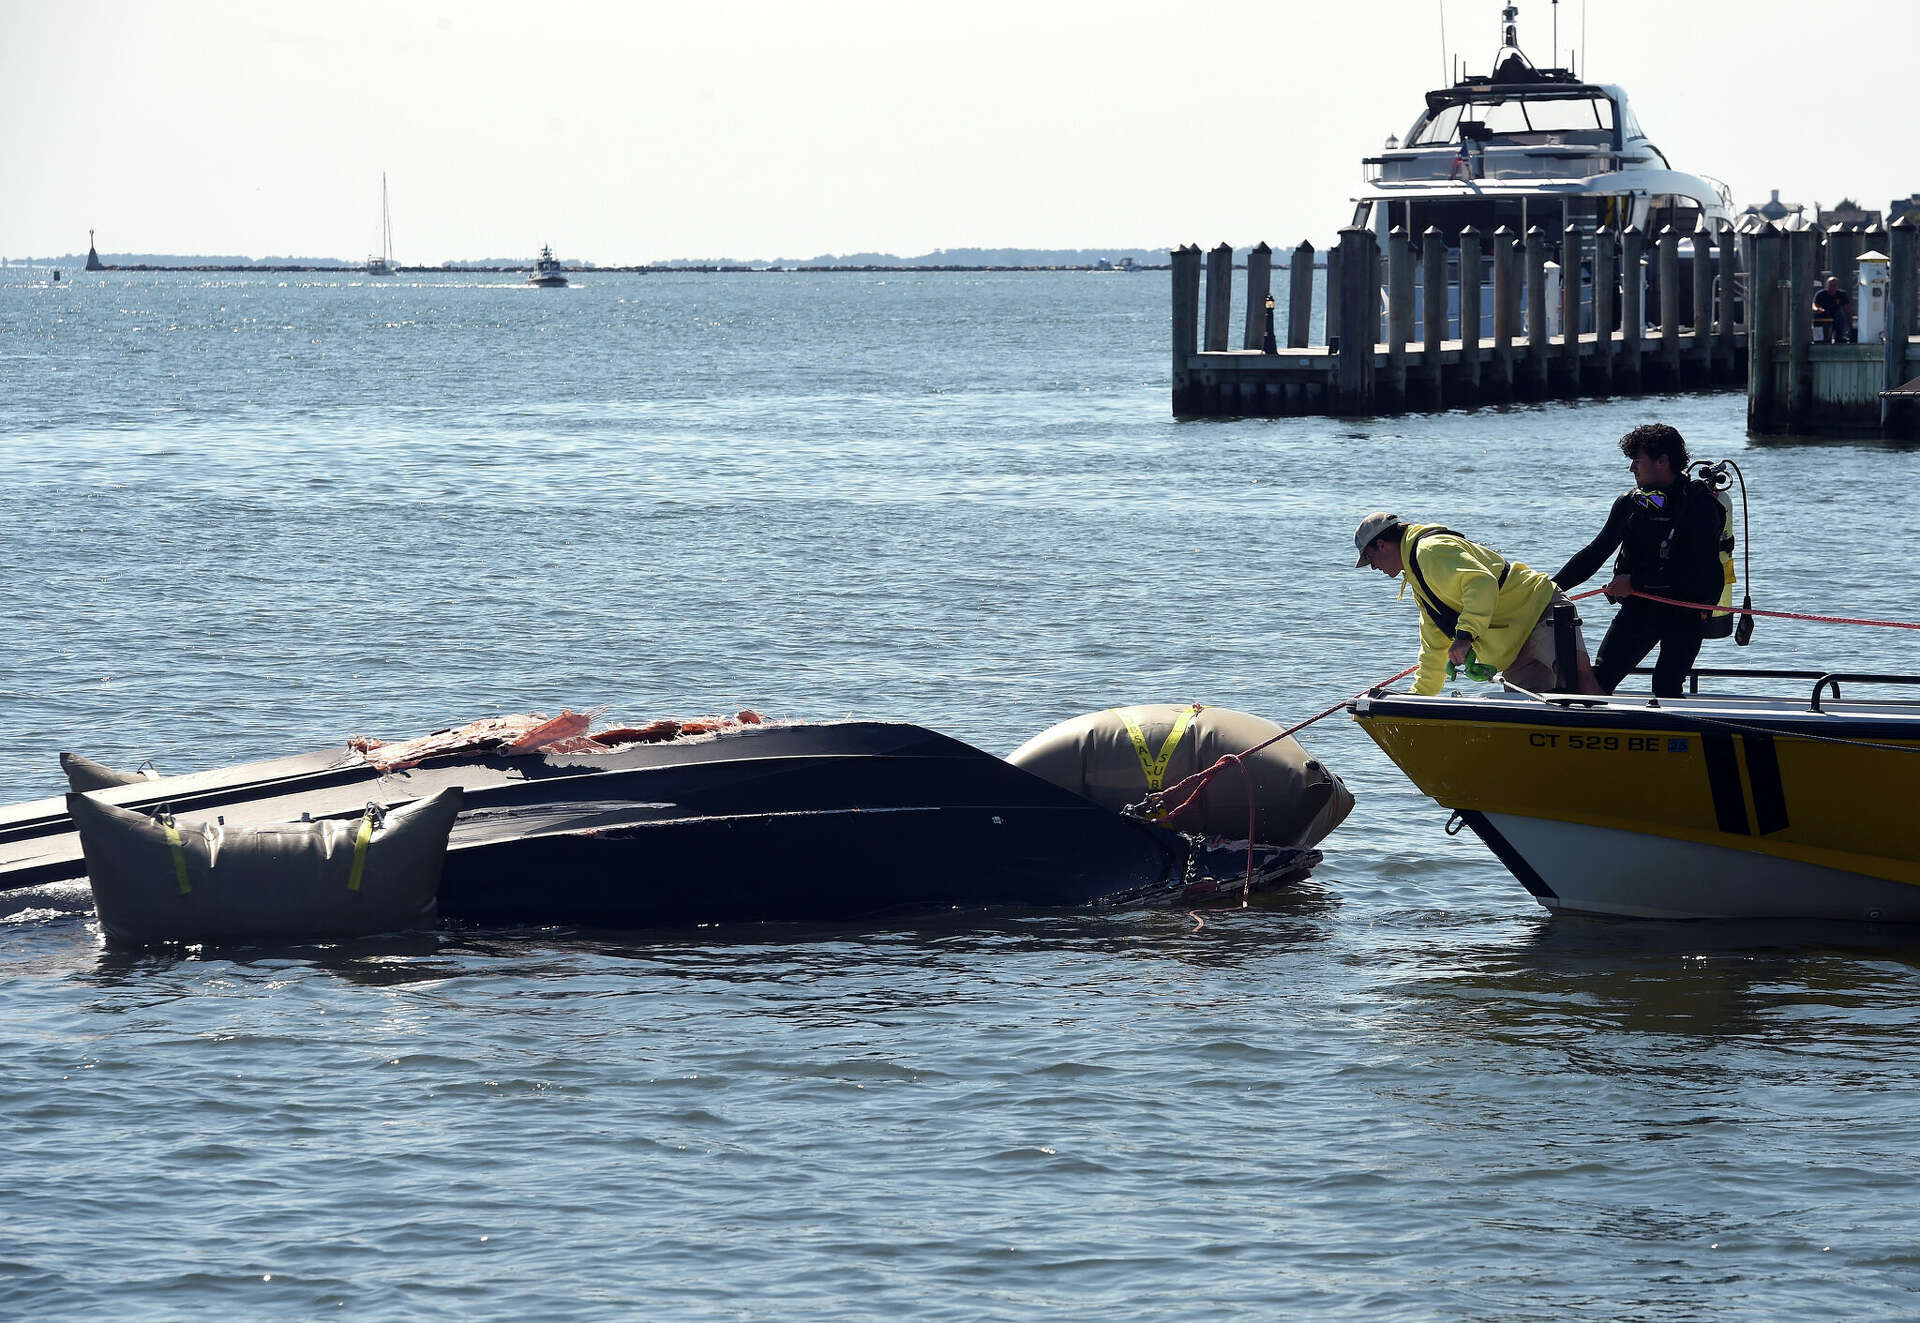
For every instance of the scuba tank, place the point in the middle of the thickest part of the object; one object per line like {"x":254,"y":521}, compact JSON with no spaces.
{"x":1722,"y":623}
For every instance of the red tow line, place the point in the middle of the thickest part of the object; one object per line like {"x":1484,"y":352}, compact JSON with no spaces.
{"x":1198,"y":781}
{"x":1776,"y":615}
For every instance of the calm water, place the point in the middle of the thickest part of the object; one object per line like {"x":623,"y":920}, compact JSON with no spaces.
{"x":250,"y":515}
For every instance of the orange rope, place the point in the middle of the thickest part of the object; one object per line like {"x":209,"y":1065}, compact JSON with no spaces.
{"x":1776,"y":615}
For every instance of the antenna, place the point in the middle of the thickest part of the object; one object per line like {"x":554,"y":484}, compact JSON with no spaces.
{"x":1443,"y":42}
{"x":1583,"y":38}
{"x":1556,"y":31}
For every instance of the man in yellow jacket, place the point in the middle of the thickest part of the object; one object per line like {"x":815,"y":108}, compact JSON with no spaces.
{"x":1472,"y":599}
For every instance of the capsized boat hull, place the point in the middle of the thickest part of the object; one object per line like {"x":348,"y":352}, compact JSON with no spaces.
{"x":834,"y":821}
{"x":1694,"y":808}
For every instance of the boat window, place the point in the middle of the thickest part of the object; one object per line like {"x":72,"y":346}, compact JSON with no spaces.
{"x":1675,"y":209}
{"x":1444,"y":127}
{"x":1524,"y":121}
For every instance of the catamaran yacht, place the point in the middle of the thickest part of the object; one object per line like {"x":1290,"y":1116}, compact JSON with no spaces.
{"x":1526,"y":146}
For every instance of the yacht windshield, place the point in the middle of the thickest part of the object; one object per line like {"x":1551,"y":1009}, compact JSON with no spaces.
{"x":1524,"y":121}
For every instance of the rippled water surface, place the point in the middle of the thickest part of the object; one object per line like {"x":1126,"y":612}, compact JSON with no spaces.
{"x":247,"y":515}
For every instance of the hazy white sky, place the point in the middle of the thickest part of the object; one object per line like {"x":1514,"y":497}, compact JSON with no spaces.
{"x":640,"y":131}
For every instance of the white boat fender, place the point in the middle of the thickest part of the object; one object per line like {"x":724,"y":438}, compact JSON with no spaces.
{"x":161,"y":879}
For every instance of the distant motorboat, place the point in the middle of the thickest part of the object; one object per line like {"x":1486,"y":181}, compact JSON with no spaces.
{"x":546,"y":271}
{"x":382,"y":263}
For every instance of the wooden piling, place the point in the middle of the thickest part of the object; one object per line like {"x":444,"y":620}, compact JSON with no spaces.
{"x":1606,"y":262}
{"x":1333,"y":295}
{"x":1901,"y":273}
{"x":1500,"y":372}
{"x":1300,"y":295}
{"x":1701,"y":357}
{"x":1799,"y":328}
{"x":1219,"y":297}
{"x":1186,"y":327}
{"x":1633,"y":309}
{"x":1357,"y":301}
{"x":1538,"y":359}
{"x":1259,"y":285}
{"x":1731,"y":247}
{"x":1470,"y":279}
{"x":1669,"y":275}
{"x":1433,"y":295}
{"x":1843,"y":263}
{"x":1571,"y":255}
{"x":1763,"y":327}
{"x":1399,"y":315}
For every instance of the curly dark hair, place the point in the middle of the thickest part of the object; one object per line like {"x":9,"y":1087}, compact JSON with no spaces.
{"x":1654,"y":440}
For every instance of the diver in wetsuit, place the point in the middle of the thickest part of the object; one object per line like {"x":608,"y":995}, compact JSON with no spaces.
{"x":1667,"y":531}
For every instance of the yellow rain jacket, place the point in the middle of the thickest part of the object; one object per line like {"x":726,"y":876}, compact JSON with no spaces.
{"x":1465,"y":577}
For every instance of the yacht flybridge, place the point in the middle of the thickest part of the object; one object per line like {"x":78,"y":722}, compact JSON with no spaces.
{"x":1526,"y":146}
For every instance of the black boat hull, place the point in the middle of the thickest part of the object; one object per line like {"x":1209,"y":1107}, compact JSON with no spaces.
{"x":829,"y":822}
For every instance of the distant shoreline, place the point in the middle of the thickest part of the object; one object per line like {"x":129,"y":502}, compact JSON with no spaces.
{"x":146,"y":267}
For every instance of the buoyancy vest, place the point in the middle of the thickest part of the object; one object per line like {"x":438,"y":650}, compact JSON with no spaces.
{"x":1657,"y":551}
{"x":1445,"y":618}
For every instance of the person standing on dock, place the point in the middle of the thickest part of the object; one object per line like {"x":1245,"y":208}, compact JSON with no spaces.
{"x":1830,"y":309}
{"x":1478,"y":609}
{"x":1667,"y":531}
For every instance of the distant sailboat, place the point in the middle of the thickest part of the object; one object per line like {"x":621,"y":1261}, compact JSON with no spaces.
{"x":383,"y":264}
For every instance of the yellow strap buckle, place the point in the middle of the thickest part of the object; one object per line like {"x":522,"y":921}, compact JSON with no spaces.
{"x":1156,"y":767}
{"x":179,"y":856}
{"x":361,"y":839}
{"x":375,"y":817}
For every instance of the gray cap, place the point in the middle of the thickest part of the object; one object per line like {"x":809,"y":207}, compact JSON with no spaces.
{"x":1370,"y":528}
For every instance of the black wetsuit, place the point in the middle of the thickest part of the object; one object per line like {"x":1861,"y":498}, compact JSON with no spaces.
{"x":1672,"y":550}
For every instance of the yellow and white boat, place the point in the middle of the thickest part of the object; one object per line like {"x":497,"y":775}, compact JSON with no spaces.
{"x":1697,"y":807}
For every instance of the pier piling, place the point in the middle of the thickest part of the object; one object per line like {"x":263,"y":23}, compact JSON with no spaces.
{"x":1259,"y":285}
{"x":1503,"y":305}
{"x":1358,"y":304}
{"x":1219,"y":296}
{"x":1570,"y":260}
{"x":1433,"y":295}
{"x":1186,"y":326}
{"x":1799,"y":327}
{"x":1606,"y":265}
{"x":1701,"y":365}
{"x":1633,"y":310}
{"x":1538,"y":363}
{"x":1399,"y":316}
{"x":1300,"y":295}
{"x":1763,"y":326}
{"x":1470,"y":281}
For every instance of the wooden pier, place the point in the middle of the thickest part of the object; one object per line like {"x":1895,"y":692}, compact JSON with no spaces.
{"x":1800,"y":388}
{"x":1694,"y":336}
{"x":1695,"y":339}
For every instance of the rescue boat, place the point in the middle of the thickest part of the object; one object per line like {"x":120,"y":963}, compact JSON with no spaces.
{"x":1702,"y":807}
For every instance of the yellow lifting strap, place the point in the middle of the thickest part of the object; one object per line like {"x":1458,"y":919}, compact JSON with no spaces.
{"x":360,"y":839}
{"x":1156,"y":768}
{"x":179,"y":857}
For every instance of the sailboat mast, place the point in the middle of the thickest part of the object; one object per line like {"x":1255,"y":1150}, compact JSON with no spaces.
{"x":386,"y":222}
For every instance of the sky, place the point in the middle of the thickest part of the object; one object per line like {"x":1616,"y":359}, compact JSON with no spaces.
{"x":640,"y":131}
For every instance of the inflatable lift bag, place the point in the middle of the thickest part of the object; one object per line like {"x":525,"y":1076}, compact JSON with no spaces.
{"x":1297,"y":801}
{"x":85,"y":774}
{"x":205,"y":882}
